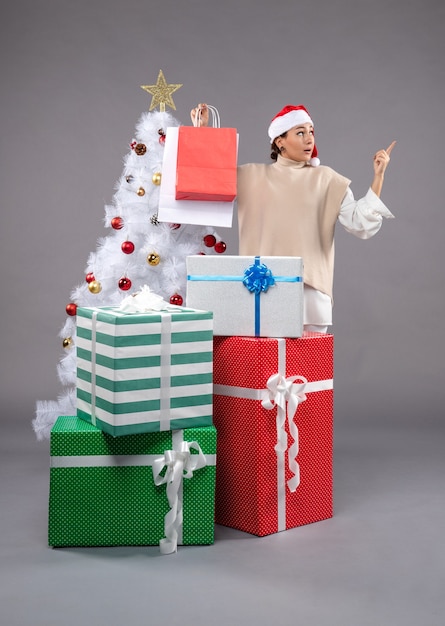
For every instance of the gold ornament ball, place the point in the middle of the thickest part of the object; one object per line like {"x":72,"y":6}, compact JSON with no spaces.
{"x":156,"y":178}
{"x":153,"y":259}
{"x":141,"y":191}
{"x":95,"y":286}
{"x":67,"y":342}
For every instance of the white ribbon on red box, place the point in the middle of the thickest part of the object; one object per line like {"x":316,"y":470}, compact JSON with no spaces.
{"x":283,"y":393}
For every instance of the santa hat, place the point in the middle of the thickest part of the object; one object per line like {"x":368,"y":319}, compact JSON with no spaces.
{"x":287,"y":118}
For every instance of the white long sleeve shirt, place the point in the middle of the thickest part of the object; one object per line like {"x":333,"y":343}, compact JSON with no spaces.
{"x":362,"y":218}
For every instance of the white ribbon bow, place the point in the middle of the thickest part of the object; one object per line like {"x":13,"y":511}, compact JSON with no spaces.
{"x":282,"y":391}
{"x":180,"y":464}
{"x":142,"y":301}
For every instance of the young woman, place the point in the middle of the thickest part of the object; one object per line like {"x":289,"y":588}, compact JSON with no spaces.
{"x":290,"y":207}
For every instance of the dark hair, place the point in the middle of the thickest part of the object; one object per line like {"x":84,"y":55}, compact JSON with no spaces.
{"x":275,"y":149}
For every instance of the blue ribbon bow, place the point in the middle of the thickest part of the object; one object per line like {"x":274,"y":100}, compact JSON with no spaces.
{"x":258,"y":277}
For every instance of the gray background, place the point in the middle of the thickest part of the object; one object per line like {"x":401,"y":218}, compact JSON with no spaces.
{"x":369,"y":72}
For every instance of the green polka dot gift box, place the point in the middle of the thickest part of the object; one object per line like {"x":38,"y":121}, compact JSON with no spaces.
{"x":146,"y":489}
{"x":144,"y":371}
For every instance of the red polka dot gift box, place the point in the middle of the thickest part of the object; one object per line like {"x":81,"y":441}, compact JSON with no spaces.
{"x":143,"y":489}
{"x":273,"y":410}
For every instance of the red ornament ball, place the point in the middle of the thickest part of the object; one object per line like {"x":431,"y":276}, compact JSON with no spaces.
{"x":209,"y":240}
{"x":89,"y":277}
{"x":124,"y":283}
{"x":71,"y":308}
{"x":117,"y":223}
{"x":127,"y":247}
{"x":176,"y":299}
{"x":161,"y":134}
{"x":220,"y":247}
{"x":175,"y":226}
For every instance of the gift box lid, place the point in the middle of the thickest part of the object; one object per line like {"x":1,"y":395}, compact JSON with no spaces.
{"x":311,"y":355}
{"x":71,"y":436}
{"x":233,"y":267}
{"x":114,"y":315}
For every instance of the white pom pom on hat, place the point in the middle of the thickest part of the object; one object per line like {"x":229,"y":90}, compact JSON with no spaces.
{"x":287,"y":118}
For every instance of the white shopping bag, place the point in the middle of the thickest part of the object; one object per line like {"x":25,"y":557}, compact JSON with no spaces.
{"x":186,"y":211}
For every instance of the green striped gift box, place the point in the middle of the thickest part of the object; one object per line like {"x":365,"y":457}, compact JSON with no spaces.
{"x":102,"y":490}
{"x":144,"y":372}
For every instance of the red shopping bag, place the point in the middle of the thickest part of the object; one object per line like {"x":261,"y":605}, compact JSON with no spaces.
{"x":206,"y":164}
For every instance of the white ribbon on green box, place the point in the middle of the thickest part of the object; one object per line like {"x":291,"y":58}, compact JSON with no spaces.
{"x":285,"y":394}
{"x":179,"y":464}
{"x":144,"y":372}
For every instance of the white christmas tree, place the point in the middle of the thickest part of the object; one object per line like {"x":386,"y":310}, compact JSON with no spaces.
{"x":138,"y":250}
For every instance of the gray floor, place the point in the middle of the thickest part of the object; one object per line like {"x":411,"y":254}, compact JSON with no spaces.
{"x":379,"y":561}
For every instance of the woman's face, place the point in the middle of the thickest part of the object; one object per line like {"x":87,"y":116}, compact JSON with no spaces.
{"x":298,"y":144}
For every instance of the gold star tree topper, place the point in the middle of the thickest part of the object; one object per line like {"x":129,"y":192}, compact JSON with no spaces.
{"x":161,"y":92}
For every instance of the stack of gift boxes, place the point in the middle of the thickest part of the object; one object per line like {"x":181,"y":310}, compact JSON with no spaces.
{"x":273,"y":393}
{"x":137,"y":465}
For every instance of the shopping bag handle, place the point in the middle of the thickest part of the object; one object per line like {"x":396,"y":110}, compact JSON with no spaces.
{"x":216,"y":122}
